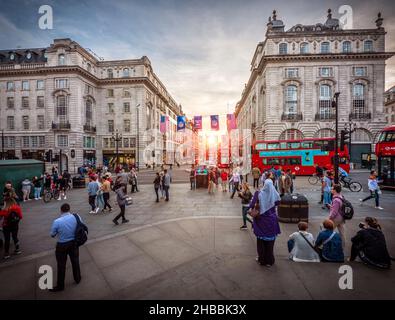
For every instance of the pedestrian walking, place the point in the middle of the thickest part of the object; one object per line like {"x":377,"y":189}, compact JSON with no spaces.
{"x":224,"y":180}
{"x":374,"y":190}
{"x":124,"y":177}
{"x":121,"y":200}
{"x":9,"y":192}
{"x":106,"y":188}
{"x":162,"y":183}
{"x":256,"y":174}
{"x":329,"y":244}
{"x":301,"y":245}
{"x":284,"y":184}
{"x":335,"y":212}
{"x":235,"y":179}
{"x":265,"y":226}
{"x":64,"y":229}
{"x":93,"y":188}
{"x":246,"y":197}
{"x":12,"y":214}
{"x":26,"y":189}
{"x":157,"y":183}
{"x":100,"y":197}
{"x":192,"y":177}
{"x":133,"y":181}
{"x":63,"y":183}
{"x":37,"y":183}
{"x":166,"y":184}
{"x":211,"y":181}
{"x":326,"y":189}
{"x":291,"y":177}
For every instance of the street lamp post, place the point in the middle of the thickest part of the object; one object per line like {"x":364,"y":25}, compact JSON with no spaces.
{"x":350,"y":127}
{"x":138,"y":137}
{"x":335,"y":104}
{"x":117,"y":138}
{"x":2,"y":145}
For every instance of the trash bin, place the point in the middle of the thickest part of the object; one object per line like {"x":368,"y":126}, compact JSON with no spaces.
{"x":202,"y":181}
{"x":78,"y":182}
{"x":293,"y":208}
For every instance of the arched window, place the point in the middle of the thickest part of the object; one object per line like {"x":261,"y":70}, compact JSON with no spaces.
{"x":346,"y":46}
{"x":325,"y":133}
{"x":325,"y":47}
{"x":358,"y":101}
{"x":361,"y":135}
{"x":148,"y":117}
{"x":110,"y":74}
{"x":61,"y":60}
{"x":291,"y":99}
{"x":368,"y":46}
{"x":88,"y":112}
{"x":304,"y":48}
{"x":125,"y":72}
{"x":61,"y":109}
{"x":325,"y":102}
{"x":291,"y":134}
{"x":283,"y":48}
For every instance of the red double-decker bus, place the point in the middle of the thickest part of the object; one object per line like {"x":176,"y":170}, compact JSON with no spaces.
{"x":385,"y":153}
{"x":298,"y":155}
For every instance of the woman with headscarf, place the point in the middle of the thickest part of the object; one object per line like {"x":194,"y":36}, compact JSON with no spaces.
{"x":265,"y":225}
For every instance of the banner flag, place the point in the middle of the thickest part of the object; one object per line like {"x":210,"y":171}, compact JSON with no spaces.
{"x":197,"y":122}
{"x":214,"y":122}
{"x":164,"y":124}
{"x":181,"y":123}
{"x":231,"y":121}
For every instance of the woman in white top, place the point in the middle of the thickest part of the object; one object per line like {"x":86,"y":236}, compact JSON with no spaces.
{"x":301,"y":245}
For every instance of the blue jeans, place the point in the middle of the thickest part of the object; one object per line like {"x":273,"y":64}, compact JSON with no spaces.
{"x":37,"y":193}
{"x":373,"y":195}
{"x":245,"y":217}
{"x":327,"y":198}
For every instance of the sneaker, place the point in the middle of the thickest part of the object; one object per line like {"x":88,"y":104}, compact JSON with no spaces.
{"x":116,"y":222}
{"x":65,"y":198}
{"x":97,"y":210}
{"x":125,"y":221}
{"x":379,"y":208}
{"x":91,"y":212}
{"x":243,"y":228}
{"x":110,"y":210}
{"x":56,"y":289}
{"x":59,"y":199}
{"x":17,"y":252}
{"x":39,"y":198}
{"x":6,"y":257}
{"x":36,"y":199}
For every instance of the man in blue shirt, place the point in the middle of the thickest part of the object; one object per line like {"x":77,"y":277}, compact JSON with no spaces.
{"x":64,"y":229}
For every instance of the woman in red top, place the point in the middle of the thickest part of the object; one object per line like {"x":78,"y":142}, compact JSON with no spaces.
{"x":224,"y":180}
{"x":11,"y":214}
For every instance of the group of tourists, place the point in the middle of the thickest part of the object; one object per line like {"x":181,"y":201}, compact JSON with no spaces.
{"x":162,"y":184}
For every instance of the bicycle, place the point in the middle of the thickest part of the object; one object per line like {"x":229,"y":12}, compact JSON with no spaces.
{"x":353,"y":186}
{"x":314,"y":179}
{"x":50,"y":194}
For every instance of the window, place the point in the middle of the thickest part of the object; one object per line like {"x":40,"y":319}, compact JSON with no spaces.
{"x":40,"y":102}
{"x":40,"y":122}
{"x":304,"y":48}
{"x":9,"y":142}
{"x":88,"y":112}
{"x":61,"y":83}
{"x":358,"y":100}
{"x":325,"y":47}
{"x":106,"y":142}
{"x":41,"y":141}
{"x":34,"y":141}
{"x":368,"y":46}
{"x":272,"y":146}
{"x":63,"y":141}
{"x":125,"y":73}
{"x":325,"y":133}
{"x":133,"y":142}
{"x":25,"y":102}
{"x":346,"y":46}
{"x":61,"y":60}
{"x":325,"y":72}
{"x":126,"y":107}
{"x":10,"y":123}
{"x":10,"y":86}
{"x":61,"y":108}
{"x":282,"y":48}
{"x":126,"y":125}
{"x":89,"y":67}
{"x":126,"y":142}
{"x":291,"y":99}
{"x":111,"y":108}
{"x":12,"y":56}
{"x":25,"y":85}
{"x":291,"y":134}
{"x":126,"y":94}
{"x":25,"y":142}
{"x":360,"y":71}
{"x":291,"y":72}
{"x":40,"y":84}
{"x":110,"y":125}
{"x":110,"y":93}
{"x":110,"y":74}
{"x":89,"y":142}
{"x":10,"y":102}
{"x":25,"y":122}
{"x":88,"y":89}
{"x":325,"y":102}
{"x":293,"y":145}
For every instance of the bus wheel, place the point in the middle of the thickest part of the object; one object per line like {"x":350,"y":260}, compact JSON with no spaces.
{"x":355,"y":186}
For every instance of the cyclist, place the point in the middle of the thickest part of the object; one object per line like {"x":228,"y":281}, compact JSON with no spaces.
{"x":343,"y":175}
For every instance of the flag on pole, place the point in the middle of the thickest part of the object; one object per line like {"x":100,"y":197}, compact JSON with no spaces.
{"x":214,"y":122}
{"x":164,"y":121}
{"x":231,"y":121}
{"x":181,"y":123}
{"x":197,"y":122}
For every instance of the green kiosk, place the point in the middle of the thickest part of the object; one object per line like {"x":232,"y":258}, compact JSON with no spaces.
{"x":16,"y":171}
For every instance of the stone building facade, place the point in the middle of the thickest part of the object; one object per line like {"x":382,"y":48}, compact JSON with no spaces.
{"x":64,"y":98}
{"x":295,"y":73}
{"x":389,"y":101}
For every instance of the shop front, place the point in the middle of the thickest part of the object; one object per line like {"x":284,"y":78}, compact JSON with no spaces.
{"x":33,"y":154}
{"x":8,"y":155}
{"x":89,"y":157}
{"x":126,"y":158}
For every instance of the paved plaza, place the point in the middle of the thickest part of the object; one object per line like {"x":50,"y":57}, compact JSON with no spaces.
{"x":189,"y":248}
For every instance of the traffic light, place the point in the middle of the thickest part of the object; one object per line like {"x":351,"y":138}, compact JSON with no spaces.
{"x":344,"y":138}
{"x":48,"y":156}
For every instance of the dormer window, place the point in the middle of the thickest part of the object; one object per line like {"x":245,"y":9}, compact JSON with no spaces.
{"x":110,"y":74}
{"x":125,"y":72}
{"x":12,"y":56}
{"x":29,"y":55}
{"x":61,"y":60}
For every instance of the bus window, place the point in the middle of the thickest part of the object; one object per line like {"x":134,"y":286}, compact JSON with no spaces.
{"x":293,"y":145}
{"x":343,"y":160}
{"x":293,"y":161}
{"x":318,"y":144}
{"x":283,"y":145}
{"x":264,"y":161}
{"x":307,"y":144}
{"x":382,"y":136}
{"x":260,"y":146}
{"x":390,"y":137}
{"x":274,"y":161}
{"x":272,"y":146}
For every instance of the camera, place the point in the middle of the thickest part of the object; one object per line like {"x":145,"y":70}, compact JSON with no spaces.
{"x":361,"y":226}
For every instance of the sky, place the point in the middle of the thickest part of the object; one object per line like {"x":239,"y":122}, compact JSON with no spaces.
{"x":200,"y":49}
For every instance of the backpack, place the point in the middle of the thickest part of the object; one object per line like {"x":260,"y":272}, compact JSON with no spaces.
{"x":13,"y":218}
{"x":81,"y":232}
{"x":347,"y":210}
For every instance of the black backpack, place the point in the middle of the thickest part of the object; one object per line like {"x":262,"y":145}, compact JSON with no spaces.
{"x":347,"y":210}
{"x":81,"y":232}
{"x":13,"y":218}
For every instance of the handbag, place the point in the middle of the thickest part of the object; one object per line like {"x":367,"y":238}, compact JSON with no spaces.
{"x":129,"y":201}
{"x":254,"y":212}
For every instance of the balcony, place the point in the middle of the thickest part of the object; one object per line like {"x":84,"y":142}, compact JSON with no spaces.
{"x":89,"y":128}
{"x":291,"y":117}
{"x":61,"y":125}
{"x":360,"y":116}
{"x":325,"y":116}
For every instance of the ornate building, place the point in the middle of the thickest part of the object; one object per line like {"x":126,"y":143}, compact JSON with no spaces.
{"x":295,"y":73}
{"x":64,"y":98}
{"x":389,"y":100}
